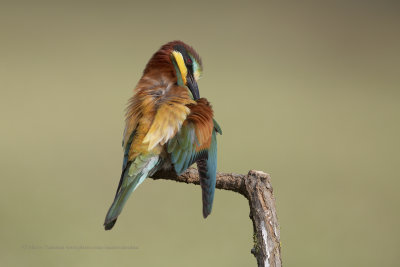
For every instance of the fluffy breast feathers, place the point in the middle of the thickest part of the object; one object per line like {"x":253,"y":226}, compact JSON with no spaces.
{"x":157,"y":112}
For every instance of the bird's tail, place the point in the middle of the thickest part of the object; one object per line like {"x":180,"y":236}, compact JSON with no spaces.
{"x":133,"y":175}
{"x":208,"y":171}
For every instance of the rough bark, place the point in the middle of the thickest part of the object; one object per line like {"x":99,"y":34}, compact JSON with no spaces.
{"x":256,"y":187}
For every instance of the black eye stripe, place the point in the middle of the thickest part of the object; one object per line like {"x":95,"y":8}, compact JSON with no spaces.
{"x":188,"y":60}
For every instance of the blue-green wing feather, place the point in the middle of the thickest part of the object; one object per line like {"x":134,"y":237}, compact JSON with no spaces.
{"x":132,"y":176}
{"x":134,"y":172}
{"x":182,"y":149}
{"x":127,"y":148}
{"x":217,"y":128}
{"x":208,"y":174}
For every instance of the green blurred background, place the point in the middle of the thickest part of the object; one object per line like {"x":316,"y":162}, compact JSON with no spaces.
{"x":306,"y":91}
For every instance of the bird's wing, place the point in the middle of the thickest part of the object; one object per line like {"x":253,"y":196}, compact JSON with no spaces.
{"x":154,"y":116}
{"x":133,"y":175}
{"x":196,"y":142}
{"x":168,"y":120}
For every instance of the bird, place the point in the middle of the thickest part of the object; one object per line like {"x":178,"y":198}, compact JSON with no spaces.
{"x":168,"y":126}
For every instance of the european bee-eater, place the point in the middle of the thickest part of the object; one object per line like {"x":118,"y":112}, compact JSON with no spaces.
{"x":168,"y":126}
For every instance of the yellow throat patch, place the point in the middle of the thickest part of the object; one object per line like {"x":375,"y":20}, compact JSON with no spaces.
{"x":181,"y":65}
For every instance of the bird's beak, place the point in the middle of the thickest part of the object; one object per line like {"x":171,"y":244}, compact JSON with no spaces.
{"x":192,"y":85}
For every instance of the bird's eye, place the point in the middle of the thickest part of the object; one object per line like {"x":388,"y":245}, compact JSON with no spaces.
{"x":189,"y":61}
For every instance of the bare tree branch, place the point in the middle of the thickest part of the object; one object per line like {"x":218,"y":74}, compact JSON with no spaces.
{"x":256,"y":187}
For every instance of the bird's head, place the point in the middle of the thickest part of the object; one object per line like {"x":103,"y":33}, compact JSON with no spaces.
{"x":183,"y":60}
{"x":188,"y":67}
